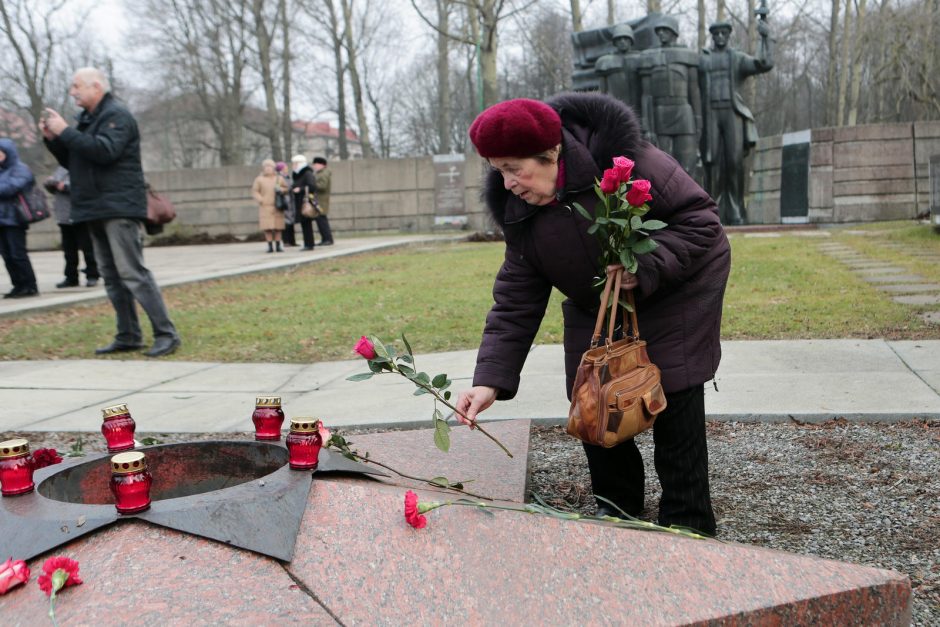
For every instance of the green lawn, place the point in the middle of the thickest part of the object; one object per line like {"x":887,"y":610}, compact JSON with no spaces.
{"x":780,"y":287}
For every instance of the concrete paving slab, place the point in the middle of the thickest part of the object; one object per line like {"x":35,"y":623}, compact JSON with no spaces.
{"x":544,"y":359}
{"x":371,"y":405}
{"x":809,"y":357}
{"x":918,"y":355}
{"x":895,"y":278}
{"x":918,"y":299}
{"x":931,"y":317}
{"x":25,"y":409}
{"x":911,"y":288}
{"x":265,"y":378}
{"x":315,"y":376}
{"x":823,"y":396}
{"x":541,"y":398}
{"x":98,"y":374}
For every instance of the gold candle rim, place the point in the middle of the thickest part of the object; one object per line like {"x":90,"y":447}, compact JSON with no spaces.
{"x":305,"y":425}
{"x":127,"y":463}
{"x":115,"y":410}
{"x":267,"y":401}
{"x":14,"y":448}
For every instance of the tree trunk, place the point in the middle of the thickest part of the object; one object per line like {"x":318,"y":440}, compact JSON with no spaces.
{"x":353,"y":65}
{"x":831,"y":95}
{"x":264,"y":38}
{"x":488,"y":47}
{"x":340,"y":82}
{"x":844,"y":64}
{"x":611,"y":14}
{"x":443,"y":78}
{"x":702,"y":23}
{"x":287,"y":125}
{"x":654,"y":6}
{"x":721,"y":11}
{"x":576,"y":17}
{"x":857,"y":63}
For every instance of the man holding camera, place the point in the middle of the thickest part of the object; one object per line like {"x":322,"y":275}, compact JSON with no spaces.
{"x":102,"y":155}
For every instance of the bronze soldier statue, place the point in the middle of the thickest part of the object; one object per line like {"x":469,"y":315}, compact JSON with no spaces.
{"x":619,"y":71}
{"x":671,"y":100}
{"x":730,"y":132}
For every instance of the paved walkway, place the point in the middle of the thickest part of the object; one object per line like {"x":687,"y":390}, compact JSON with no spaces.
{"x":809,"y":380}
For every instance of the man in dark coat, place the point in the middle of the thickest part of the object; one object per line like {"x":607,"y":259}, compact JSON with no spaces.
{"x":679,"y":286}
{"x":102,"y":155}
{"x":303,"y":185}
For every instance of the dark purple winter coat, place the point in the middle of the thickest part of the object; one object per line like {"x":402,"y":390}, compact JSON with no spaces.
{"x":681,"y":283}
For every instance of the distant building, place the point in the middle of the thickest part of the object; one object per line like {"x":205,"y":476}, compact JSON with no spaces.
{"x":175,"y":135}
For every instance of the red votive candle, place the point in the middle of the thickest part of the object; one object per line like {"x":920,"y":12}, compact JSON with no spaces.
{"x":130,"y":482}
{"x":304,"y":443}
{"x":16,"y":468}
{"x":118,"y":428}
{"x":268,"y":417}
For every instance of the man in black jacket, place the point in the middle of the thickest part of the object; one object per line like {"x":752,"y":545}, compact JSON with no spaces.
{"x":102,"y":154}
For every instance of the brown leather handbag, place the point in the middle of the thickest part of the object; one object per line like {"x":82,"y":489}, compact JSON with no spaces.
{"x":617,"y":391}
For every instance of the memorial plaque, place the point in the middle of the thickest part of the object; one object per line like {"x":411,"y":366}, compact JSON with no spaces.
{"x":449,"y":189}
{"x":794,"y":178}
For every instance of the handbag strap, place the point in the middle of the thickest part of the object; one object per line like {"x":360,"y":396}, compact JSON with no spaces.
{"x":612,"y":286}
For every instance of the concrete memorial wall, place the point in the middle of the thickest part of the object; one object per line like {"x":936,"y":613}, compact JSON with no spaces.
{"x":855,"y":174}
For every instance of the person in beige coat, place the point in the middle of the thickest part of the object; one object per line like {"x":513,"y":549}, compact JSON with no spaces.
{"x":270,"y":220}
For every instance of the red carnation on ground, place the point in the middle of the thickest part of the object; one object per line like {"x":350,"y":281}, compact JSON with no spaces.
{"x":365,"y":348}
{"x":414,"y":519}
{"x":639,"y":193}
{"x":13,"y":574}
{"x":43,"y":457}
{"x":50,"y":574}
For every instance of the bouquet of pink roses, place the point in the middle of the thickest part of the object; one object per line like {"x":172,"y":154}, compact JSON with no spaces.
{"x":618,"y":218}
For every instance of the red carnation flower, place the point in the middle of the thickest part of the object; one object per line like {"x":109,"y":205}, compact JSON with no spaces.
{"x":414,"y":519}
{"x":43,"y":457}
{"x":624,"y":168}
{"x":49,"y":577}
{"x":639,"y":193}
{"x":365,"y":348}
{"x":611,"y":181}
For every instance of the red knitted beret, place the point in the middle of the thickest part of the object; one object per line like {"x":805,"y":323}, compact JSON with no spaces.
{"x":516,"y":128}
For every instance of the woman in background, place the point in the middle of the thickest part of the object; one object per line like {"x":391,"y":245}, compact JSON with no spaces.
{"x":15,"y":178}
{"x":264,"y":190}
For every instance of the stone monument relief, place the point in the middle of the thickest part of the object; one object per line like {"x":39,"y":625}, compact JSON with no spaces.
{"x":689,"y":103}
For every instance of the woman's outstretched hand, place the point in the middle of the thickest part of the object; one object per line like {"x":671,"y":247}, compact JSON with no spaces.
{"x":471,"y":402}
{"x":628,"y":281}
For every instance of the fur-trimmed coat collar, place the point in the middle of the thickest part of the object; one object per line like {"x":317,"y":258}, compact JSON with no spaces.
{"x":595,"y":129}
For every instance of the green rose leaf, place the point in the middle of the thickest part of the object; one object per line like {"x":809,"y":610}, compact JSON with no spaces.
{"x":654,"y":225}
{"x":636,"y":222}
{"x":439,"y":380}
{"x":593,"y":229}
{"x":582,"y":210}
{"x":375,"y":366}
{"x":420,"y":391}
{"x":407,"y":358}
{"x":405,"y":370}
{"x":379,"y":347}
{"x":644,"y":246}
{"x":423,"y":377}
{"x":620,"y":222}
{"x":602,"y":220}
{"x":362,"y":376}
{"x":441,"y":433}
{"x":447,"y":395}
{"x":407,"y":347}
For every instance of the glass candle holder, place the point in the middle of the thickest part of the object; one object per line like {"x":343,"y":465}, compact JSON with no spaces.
{"x":16,"y":468}
{"x":268,"y":418}
{"x":118,"y":428}
{"x":130,"y":482}
{"x":304,"y":443}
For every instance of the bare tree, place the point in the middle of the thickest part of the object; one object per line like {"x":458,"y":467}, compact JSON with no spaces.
{"x":287,"y":124}
{"x":831,"y":93}
{"x":442,"y":119}
{"x":844,"y":64}
{"x":350,"y":36}
{"x":577,"y":23}
{"x":856,"y":63}
{"x":265,"y":25}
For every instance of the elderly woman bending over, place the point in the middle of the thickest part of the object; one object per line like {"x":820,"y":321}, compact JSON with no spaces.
{"x":544,"y":157}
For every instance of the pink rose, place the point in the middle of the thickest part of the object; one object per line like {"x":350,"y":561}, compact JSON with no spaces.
{"x":624,"y":168}
{"x":13,"y":574}
{"x":639,"y":193}
{"x":611,"y":181}
{"x":414,"y":519}
{"x":365,"y":348}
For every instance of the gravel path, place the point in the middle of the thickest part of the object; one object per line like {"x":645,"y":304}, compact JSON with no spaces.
{"x":862,"y":493}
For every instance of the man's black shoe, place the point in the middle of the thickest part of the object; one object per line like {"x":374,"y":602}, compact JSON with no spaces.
{"x":307,"y":248}
{"x":329,"y":243}
{"x":67,"y":283}
{"x":23,"y":293}
{"x":91,"y":282}
{"x":115,"y":347}
{"x":606,"y":510}
{"x":163,"y":346}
